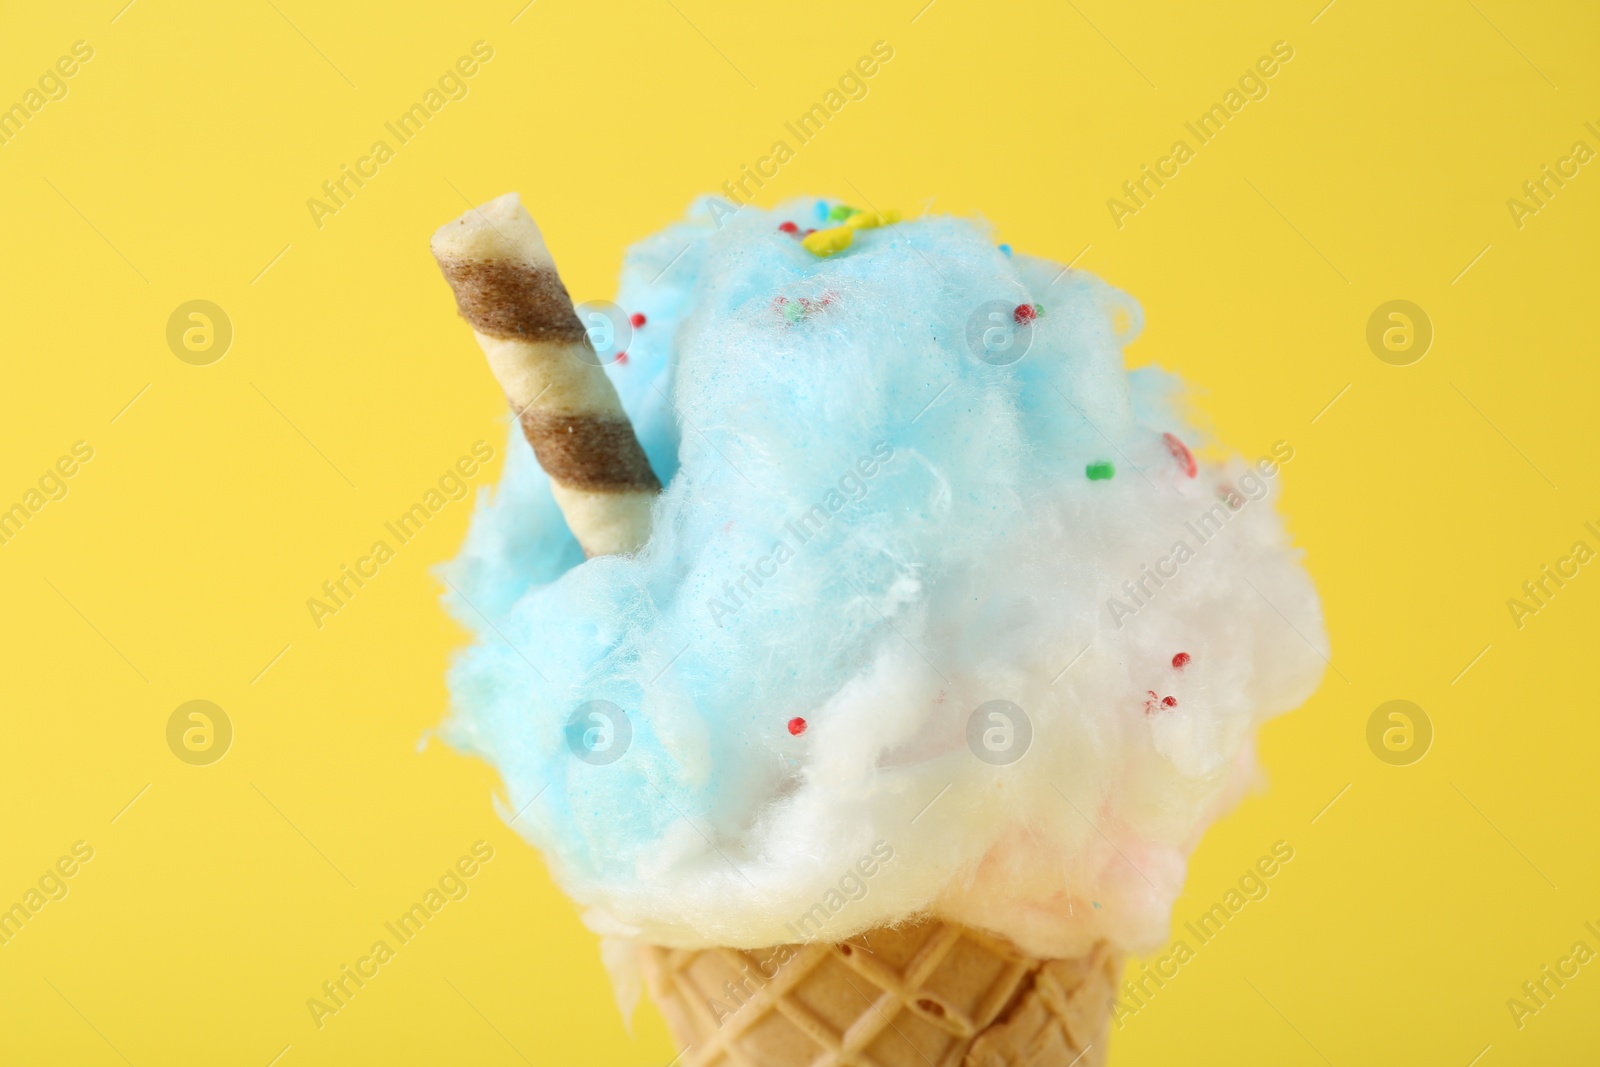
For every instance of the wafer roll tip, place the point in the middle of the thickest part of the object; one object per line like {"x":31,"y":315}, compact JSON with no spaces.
{"x":497,"y":230}
{"x":508,"y":289}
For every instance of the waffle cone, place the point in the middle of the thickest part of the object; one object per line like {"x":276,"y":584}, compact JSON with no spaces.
{"x":928,"y":994}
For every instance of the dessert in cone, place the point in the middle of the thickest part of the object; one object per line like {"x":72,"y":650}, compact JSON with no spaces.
{"x":923,"y":993}
{"x":859,"y":639}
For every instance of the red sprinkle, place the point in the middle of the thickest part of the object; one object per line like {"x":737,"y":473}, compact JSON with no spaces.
{"x":1181,"y":453}
{"x":1023,"y":313}
{"x":809,"y":232}
{"x":1155,"y":703}
{"x":622,"y":357}
{"x":1181,"y":660}
{"x":789,"y":227}
{"x":797,"y":726}
{"x":637,"y":319}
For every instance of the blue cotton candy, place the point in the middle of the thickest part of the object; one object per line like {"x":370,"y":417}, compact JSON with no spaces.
{"x":877,"y":519}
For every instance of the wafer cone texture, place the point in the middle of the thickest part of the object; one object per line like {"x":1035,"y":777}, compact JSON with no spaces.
{"x":929,"y":993}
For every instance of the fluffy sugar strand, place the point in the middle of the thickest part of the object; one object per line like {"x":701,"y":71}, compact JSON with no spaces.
{"x":875,"y":523}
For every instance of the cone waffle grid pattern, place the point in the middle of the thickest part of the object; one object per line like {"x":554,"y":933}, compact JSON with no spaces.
{"x":924,"y":995}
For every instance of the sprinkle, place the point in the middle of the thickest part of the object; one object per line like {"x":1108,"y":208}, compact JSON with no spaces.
{"x":841,"y":212}
{"x":637,"y":318}
{"x":1155,"y":703}
{"x":809,"y":232}
{"x":1100,"y":470}
{"x":838,"y":238}
{"x":822,"y":210}
{"x":1024,"y":314}
{"x":795,"y":310}
{"x":797,"y":726}
{"x":1181,"y":453}
{"x":1005,"y":250}
{"x":823,"y":243}
{"x":1181,"y":660}
{"x":622,"y":357}
{"x":1096,"y":903}
{"x":871,"y":220}
{"x":789,"y":228}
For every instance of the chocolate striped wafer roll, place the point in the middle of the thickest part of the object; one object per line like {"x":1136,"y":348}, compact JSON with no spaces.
{"x":507,"y":288}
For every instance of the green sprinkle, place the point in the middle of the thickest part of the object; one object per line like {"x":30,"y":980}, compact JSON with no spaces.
{"x":1100,"y":471}
{"x":842,"y":212}
{"x":1038,"y":311}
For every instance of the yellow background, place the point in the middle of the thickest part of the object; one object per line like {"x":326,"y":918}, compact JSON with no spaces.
{"x":178,"y":566}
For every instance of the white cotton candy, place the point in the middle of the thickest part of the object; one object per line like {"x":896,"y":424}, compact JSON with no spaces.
{"x":878,"y":521}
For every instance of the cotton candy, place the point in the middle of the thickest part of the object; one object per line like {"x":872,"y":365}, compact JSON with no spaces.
{"x":893,"y":498}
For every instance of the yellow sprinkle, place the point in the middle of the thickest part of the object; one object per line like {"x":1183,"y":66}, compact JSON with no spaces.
{"x":871,"y":220}
{"x":827,"y":242}
{"x":838,"y":238}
